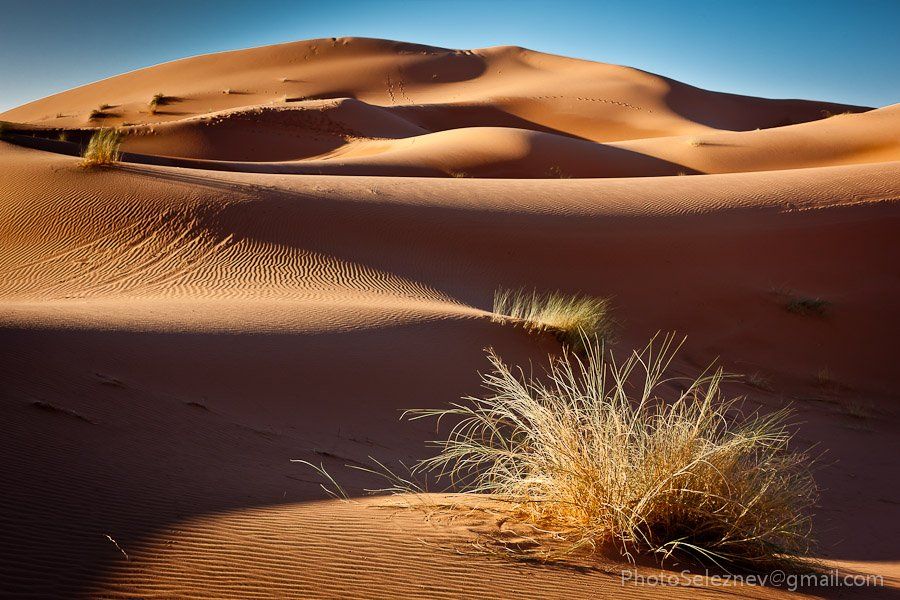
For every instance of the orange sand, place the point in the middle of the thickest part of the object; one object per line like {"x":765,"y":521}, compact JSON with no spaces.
{"x":322,"y":251}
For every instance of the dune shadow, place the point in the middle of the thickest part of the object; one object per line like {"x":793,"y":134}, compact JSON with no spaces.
{"x":173,"y":113}
{"x":717,"y":145}
{"x":101,"y":115}
{"x":444,"y":117}
{"x":444,"y":67}
{"x":329,"y":95}
{"x":163,"y":100}
{"x":735,"y":112}
{"x":177,"y":444}
{"x":637,"y":164}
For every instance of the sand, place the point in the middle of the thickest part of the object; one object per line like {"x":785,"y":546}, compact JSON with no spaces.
{"x":276,"y":271}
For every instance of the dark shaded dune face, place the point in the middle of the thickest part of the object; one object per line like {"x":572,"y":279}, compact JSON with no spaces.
{"x":442,"y":117}
{"x":444,"y":67}
{"x":271,"y":133}
{"x":741,"y":113}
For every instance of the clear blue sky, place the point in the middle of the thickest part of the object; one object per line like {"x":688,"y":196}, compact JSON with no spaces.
{"x":828,"y":50}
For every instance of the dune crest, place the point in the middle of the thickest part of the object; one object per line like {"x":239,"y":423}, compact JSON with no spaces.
{"x":302,"y":240}
{"x":358,"y":106}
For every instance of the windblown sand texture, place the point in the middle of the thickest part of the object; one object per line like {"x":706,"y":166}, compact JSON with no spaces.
{"x":304,"y":239}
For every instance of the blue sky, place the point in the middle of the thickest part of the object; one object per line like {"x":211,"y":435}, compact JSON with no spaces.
{"x":827,"y":50}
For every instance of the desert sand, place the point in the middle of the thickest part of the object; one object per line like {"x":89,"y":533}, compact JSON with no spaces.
{"x":304,"y":239}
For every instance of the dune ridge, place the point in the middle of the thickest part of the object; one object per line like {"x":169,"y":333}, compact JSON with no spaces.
{"x":275,"y":272}
{"x":359,"y":106}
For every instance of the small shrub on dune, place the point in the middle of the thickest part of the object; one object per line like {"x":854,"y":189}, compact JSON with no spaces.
{"x":804,"y":305}
{"x":158,"y":100}
{"x":103,"y":148}
{"x":155,"y":102}
{"x":603,"y":453}
{"x":556,"y":172}
{"x":571,"y":318}
{"x":759,"y":381}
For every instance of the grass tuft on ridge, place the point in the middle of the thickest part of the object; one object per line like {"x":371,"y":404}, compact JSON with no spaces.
{"x":103,"y":148}
{"x":571,"y":318}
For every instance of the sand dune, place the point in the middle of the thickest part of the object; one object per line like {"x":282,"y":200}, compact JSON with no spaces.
{"x":291,"y":274}
{"x":843,"y":139}
{"x":370,"y":107}
{"x":586,"y":99}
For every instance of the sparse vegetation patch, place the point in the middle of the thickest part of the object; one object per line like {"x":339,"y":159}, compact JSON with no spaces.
{"x":156,"y":101}
{"x":571,"y":318}
{"x":602,"y":452}
{"x":103,"y":148}
{"x":758,"y":380}
{"x":99,"y":113}
{"x":804,"y":305}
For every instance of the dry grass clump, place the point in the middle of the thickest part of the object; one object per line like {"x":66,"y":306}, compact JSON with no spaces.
{"x":557,"y":172}
{"x":571,"y":318}
{"x":858,"y":409}
{"x":804,"y":305}
{"x":156,"y":101}
{"x":604,"y":453}
{"x":103,"y":148}
{"x":99,"y":113}
{"x":760,"y":381}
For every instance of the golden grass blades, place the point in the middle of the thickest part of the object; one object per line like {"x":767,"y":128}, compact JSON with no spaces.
{"x":604,"y":453}
{"x":571,"y":318}
{"x":103,"y":148}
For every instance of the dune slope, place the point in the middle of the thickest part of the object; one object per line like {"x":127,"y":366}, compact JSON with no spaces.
{"x":362,"y":106}
{"x":171,"y":335}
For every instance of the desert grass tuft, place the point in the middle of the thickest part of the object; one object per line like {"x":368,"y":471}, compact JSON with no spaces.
{"x":156,"y":101}
{"x":99,"y":113}
{"x":103,"y":148}
{"x":858,"y":409}
{"x":571,"y":318}
{"x":804,"y":305}
{"x":603,"y":453}
{"x":557,"y":172}
{"x":759,"y":381}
